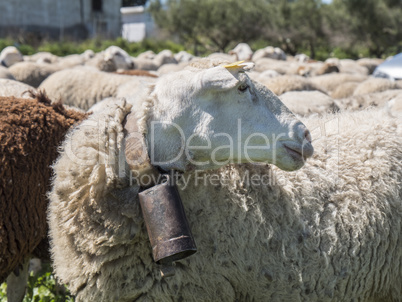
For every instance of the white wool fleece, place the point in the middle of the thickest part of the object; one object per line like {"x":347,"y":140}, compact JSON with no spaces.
{"x":331,"y":231}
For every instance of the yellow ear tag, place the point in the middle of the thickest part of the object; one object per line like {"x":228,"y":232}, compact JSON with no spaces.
{"x":234,"y":65}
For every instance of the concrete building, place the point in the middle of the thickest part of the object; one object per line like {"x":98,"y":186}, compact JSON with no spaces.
{"x":78,"y":19}
{"x":137,"y":23}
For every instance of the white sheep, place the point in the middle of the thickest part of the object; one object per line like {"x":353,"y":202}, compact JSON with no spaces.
{"x":5,"y":73}
{"x":263,"y":76}
{"x":14,"y":88}
{"x":31,"y":73}
{"x":344,"y":90}
{"x":282,"y":67}
{"x":394,"y":106}
{"x":305,"y":103}
{"x":222,"y":57}
{"x":302,"y":58}
{"x":331,"y":81}
{"x":363,"y":101}
{"x":285,"y":83}
{"x":183,"y":56}
{"x":111,"y":59}
{"x":376,"y":85}
{"x":242,"y":51}
{"x":84,"y":86}
{"x":10,"y":55}
{"x":328,"y":232}
{"x":149,"y":54}
{"x":42,"y":57}
{"x":269,"y":52}
{"x":369,"y":63}
{"x":164,"y":57}
{"x":349,"y":66}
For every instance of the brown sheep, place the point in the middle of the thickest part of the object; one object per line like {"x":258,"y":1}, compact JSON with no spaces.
{"x":31,"y":131}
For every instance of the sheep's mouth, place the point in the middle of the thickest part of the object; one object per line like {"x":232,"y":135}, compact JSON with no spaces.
{"x":295,"y":152}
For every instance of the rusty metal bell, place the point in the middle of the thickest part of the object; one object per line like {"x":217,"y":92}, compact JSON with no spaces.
{"x":166,"y":222}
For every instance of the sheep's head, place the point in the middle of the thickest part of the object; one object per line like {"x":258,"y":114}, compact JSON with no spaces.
{"x":205,"y":119}
{"x":10,"y":55}
{"x":119,"y":57}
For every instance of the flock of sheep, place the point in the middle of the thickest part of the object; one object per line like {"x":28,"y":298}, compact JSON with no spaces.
{"x":325,"y":227}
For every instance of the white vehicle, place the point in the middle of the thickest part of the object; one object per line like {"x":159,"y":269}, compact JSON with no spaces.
{"x":391,"y":68}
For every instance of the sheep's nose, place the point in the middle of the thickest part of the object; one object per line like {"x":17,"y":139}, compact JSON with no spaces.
{"x":307,"y":136}
{"x":307,"y":147}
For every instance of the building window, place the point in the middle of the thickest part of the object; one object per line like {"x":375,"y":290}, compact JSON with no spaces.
{"x":97,"y":5}
{"x":133,"y":2}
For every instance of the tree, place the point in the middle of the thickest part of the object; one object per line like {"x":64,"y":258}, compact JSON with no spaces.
{"x":374,"y":24}
{"x":299,"y":25}
{"x":216,"y":23}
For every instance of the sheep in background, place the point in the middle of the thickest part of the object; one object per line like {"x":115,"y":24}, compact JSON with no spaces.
{"x":304,"y":103}
{"x":269,"y":52}
{"x":376,"y":85}
{"x":31,"y":131}
{"x":394,"y":106}
{"x":183,"y":56}
{"x":164,"y":57}
{"x":369,"y":63}
{"x":344,"y":90}
{"x":130,"y":89}
{"x":263,"y":76}
{"x":14,"y":88}
{"x":348,"y":66}
{"x":363,"y":101}
{"x":282,"y":67}
{"x":84,"y":86}
{"x":285,"y":83}
{"x":149,"y":55}
{"x":220,"y":56}
{"x":136,"y":72}
{"x":302,"y":58}
{"x":111,"y":59}
{"x":316,"y":69}
{"x":5,"y":73}
{"x":34,"y":73}
{"x":168,"y":68}
{"x":10,"y":55}
{"x":331,"y":81}
{"x":42,"y":57}
{"x":328,"y":232}
{"x":242,"y":51}
{"x":31,"y":73}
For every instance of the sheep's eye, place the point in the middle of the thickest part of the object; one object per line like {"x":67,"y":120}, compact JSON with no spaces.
{"x":243,"y":87}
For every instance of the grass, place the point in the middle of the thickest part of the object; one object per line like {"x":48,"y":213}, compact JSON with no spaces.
{"x":70,"y":47}
{"x":42,"y":288}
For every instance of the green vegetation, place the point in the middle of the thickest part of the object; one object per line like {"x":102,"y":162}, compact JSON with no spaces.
{"x":350,"y":28}
{"x":42,"y":288}
{"x":70,"y":47}
{"x":342,"y":28}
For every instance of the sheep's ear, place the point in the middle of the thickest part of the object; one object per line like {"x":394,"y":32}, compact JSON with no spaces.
{"x":218,"y":78}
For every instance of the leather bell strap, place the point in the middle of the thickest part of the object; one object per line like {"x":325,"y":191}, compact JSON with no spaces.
{"x":136,"y":152}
